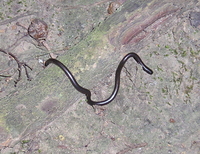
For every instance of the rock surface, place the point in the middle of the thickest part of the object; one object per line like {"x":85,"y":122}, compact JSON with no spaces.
{"x":151,"y":114}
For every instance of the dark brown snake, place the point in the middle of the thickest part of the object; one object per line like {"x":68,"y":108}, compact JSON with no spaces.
{"x":117,"y":77}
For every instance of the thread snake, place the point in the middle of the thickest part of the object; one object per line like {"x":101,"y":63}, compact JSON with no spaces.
{"x":117,"y":78}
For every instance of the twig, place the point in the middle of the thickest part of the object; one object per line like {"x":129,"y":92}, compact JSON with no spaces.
{"x":20,"y":64}
{"x":17,"y":17}
{"x":131,"y":147}
{"x":5,"y":76}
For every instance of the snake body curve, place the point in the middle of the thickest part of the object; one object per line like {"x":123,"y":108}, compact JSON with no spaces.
{"x":117,"y":77}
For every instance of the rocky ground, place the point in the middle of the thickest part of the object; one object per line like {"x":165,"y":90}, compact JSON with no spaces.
{"x":42,"y":113}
